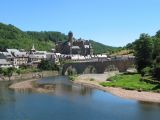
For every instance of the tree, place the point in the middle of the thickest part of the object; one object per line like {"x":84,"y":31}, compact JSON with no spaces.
{"x":156,"y":68}
{"x":8,"y":72}
{"x":19,"y":72}
{"x":47,"y":65}
{"x":143,"y":52}
{"x":129,"y":46}
{"x":156,"y":45}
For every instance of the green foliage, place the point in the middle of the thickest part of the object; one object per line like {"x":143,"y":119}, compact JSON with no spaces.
{"x":131,"y":82}
{"x":101,"y":48}
{"x":8,"y":72}
{"x":48,"y":36}
{"x":12,"y":37}
{"x":143,"y":52}
{"x":156,"y":47}
{"x":130,"y":46}
{"x":147,"y":71}
{"x":72,"y":77}
{"x":150,"y":79}
{"x":47,"y":65}
{"x":71,"y":71}
{"x":18,"y":71}
{"x":156,"y":64}
{"x":24,"y":70}
{"x":147,"y":53}
{"x":156,"y":71}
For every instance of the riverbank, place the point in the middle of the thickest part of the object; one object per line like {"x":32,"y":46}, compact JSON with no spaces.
{"x":90,"y":80}
{"x":23,"y":85}
{"x":30,"y":75}
{"x":29,"y":83}
{"x":94,"y":80}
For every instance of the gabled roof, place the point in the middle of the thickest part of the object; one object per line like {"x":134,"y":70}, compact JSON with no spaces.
{"x":2,"y":56}
{"x":12,"y":50}
{"x":75,"y":47}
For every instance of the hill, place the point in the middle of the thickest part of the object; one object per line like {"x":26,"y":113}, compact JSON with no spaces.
{"x":101,"y":48}
{"x":13,"y":37}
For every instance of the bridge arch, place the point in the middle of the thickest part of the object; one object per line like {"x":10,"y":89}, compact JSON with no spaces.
{"x":90,"y":69}
{"x":70,"y":70}
{"x":110,"y":68}
{"x":96,"y":67}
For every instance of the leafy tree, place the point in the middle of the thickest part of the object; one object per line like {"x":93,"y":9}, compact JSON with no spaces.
{"x":147,"y":71}
{"x":47,"y":65}
{"x":143,"y":52}
{"x":156,"y":68}
{"x":8,"y":72}
{"x":156,"y":72}
{"x":156,"y":45}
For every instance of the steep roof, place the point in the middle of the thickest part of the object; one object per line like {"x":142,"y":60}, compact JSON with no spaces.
{"x":2,"y":56}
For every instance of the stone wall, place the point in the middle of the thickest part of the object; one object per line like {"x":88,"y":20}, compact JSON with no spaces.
{"x":100,"y":67}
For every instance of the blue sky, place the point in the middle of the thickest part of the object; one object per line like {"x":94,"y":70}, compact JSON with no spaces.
{"x":112,"y":22}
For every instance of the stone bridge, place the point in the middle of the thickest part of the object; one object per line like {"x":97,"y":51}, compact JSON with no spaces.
{"x":97,"y":66}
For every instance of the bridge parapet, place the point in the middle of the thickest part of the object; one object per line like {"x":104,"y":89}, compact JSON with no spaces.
{"x":99,"y":59}
{"x":98,"y":66}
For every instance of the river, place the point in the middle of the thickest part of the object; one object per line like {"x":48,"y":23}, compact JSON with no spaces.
{"x":71,"y":102}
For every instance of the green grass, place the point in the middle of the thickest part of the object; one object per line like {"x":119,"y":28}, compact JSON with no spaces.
{"x":131,"y":82}
{"x":29,"y":70}
{"x":72,"y":77}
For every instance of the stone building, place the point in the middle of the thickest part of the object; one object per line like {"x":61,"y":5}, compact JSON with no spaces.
{"x":72,"y":46}
{"x":35,"y":57}
{"x":16,"y":57}
{"x":3,"y":61}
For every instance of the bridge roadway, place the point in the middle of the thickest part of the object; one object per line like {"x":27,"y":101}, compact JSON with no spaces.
{"x":97,"y":65}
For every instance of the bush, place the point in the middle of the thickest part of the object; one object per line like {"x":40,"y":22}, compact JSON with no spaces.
{"x":47,"y":65}
{"x":72,"y":77}
{"x":156,"y":71}
{"x":147,"y":71}
{"x":71,"y":71}
{"x":149,"y":80}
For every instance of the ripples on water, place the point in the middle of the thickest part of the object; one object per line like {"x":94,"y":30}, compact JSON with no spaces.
{"x":71,"y":102}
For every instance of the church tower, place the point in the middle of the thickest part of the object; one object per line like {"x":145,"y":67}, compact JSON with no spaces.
{"x":33,"y":49}
{"x":70,"y":37}
{"x":70,"y":40}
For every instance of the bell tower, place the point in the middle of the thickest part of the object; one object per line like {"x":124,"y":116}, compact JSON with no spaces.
{"x":70,"y":40}
{"x":70,"y":37}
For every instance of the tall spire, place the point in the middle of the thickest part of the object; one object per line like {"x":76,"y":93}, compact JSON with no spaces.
{"x":33,"y":49}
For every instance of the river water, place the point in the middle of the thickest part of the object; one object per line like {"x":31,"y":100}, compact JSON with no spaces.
{"x":71,"y":102}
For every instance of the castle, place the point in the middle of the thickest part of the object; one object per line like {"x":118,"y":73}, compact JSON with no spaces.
{"x":72,"y":46}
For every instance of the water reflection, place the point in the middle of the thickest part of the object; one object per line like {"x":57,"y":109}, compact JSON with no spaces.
{"x":62,"y":86}
{"x":5,"y":94}
{"x":71,"y":102}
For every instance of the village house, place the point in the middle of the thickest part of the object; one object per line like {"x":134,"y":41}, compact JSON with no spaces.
{"x":35,"y":57}
{"x":16,"y":57}
{"x":3,"y":62}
